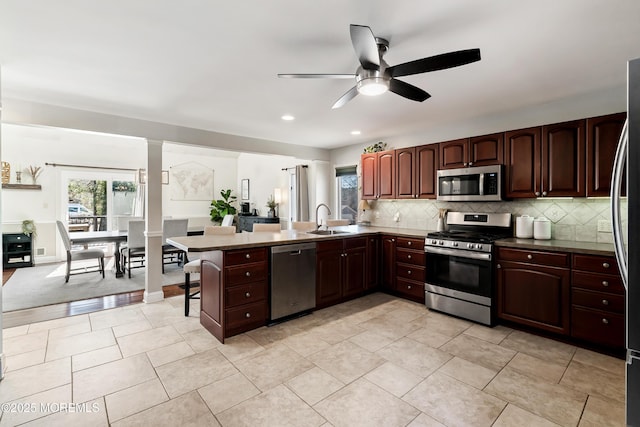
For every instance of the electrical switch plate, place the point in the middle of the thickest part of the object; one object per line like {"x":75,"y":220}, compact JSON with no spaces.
{"x":396,"y":217}
{"x":604,"y":226}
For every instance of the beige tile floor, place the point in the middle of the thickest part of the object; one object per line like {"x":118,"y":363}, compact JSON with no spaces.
{"x":377,"y":360}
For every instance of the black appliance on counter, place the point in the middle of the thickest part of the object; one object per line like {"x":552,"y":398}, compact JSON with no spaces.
{"x":245,"y":209}
{"x":460,"y":265}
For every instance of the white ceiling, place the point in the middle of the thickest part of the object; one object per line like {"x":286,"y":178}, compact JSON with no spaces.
{"x":212,"y":64}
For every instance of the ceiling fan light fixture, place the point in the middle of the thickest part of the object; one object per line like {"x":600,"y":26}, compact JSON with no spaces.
{"x":373,"y":86}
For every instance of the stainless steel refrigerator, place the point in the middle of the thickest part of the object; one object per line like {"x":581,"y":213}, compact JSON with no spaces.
{"x":627,"y":241}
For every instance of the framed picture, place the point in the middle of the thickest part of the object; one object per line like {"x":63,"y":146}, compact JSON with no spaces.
{"x":245,"y":189}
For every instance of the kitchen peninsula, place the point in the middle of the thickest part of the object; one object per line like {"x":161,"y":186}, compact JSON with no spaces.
{"x":235,"y":270}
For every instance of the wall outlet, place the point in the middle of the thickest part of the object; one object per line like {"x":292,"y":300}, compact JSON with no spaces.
{"x":604,"y":226}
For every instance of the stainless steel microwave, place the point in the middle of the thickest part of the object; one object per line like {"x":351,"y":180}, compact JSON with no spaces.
{"x":470,"y":184}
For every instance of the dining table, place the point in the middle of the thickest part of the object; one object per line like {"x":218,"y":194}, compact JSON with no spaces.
{"x":115,"y":236}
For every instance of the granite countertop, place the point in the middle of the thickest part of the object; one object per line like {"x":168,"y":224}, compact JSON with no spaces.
{"x":588,"y":248}
{"x":260,"y":239}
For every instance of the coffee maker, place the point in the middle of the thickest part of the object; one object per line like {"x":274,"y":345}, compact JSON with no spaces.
{"x":245,"y":209}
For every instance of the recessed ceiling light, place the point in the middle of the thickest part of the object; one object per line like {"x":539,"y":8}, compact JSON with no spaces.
{"x":355,"y":132}
{"x":287,"y":117}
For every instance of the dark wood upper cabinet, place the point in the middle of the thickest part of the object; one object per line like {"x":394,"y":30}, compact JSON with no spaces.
{"x":546,"y":161}
{"x":486,"y":150}
{"x":406,"y":173}
{"x":477,"y":151}
{"x":563,"y":159}
{"x":603,"y":134}
{"x":416,"y":169}
{"x":386,"y":174}
{"x":454,"y":154}
{"x":522,"y":162}
{"x":378,"y":175}
{"x":368,"y":171}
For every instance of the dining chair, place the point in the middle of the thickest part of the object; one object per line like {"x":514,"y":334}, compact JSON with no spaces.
{"x":267,"y":227}
{"x":337,"y":222}
{"x":173,"y":228}
{"x":193,"y":267}
{"x":134,"y":251}
{"x":303,"y":225}
{"x":81,"y":254}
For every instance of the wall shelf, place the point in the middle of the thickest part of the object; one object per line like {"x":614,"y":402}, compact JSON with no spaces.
{"x":22,"y":186}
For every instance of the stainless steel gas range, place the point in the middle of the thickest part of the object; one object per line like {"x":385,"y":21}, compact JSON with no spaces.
{"x":459,"y":265}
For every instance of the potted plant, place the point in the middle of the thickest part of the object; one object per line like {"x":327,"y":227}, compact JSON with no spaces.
{"x":271,"y":204}
{"x":223,"y":206}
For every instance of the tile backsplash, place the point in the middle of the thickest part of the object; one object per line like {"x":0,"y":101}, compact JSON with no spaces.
{"x":579,"y":219}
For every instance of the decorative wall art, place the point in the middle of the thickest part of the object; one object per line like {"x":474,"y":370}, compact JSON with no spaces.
{"x":191,"y":181}
{"x":245,"y":189}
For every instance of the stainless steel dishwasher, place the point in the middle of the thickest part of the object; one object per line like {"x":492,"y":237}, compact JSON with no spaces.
{"x":293,"y":279}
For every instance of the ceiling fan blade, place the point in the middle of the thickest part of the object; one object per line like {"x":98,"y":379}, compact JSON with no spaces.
{"x":435,"y":63}
{"x":351,"y":93}
{"x":316,"y":76}
{"x":408,"y":91}
{"x":364,"y":43}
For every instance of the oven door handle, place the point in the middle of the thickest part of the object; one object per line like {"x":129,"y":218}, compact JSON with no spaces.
{"x":459,"y":253}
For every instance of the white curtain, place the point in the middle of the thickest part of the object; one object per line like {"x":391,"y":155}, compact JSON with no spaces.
{"x":302,"y":194}
{"x":138,"y":203}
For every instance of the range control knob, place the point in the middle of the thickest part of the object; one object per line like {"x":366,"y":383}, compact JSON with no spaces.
{"x":433,"y":242}
{"x":478,"y":246}
{"x":470,"y":245}
{"x":455,"y":244}
{"x":440,"y":242}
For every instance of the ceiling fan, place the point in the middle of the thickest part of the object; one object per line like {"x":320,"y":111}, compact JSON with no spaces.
{"x":374,"y":76}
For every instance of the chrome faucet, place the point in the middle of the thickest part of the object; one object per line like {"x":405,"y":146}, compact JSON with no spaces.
{"x":318,"y":224}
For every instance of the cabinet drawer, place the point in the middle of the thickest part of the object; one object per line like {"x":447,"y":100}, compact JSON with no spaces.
{"x":408,"y":243}
{"x":245,"y":273}
{"x":598,"y":282}
{"x":243,"y":256}
{"x":597,"y":327}
{"x":329,"y":245}
{"x":245,"y":294}
{"x":599,"y":300}
{"x":553,"y":259}
{"x":410,"y":288}
{"x":16,"y":238}
{"x":246,"y":316}
{"x":411,"y":272}
{"x":410,"y":257}
{"x":597,"y":264}
{"x":355,"y":242}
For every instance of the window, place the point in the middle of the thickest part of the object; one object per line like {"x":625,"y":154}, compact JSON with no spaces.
{"x":347,"y":193}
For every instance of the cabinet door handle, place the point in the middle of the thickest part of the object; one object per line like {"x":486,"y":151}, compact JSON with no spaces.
{"x":470,"y":163}
{"x":393,"y":240}
{"x":605,"y":302}
{"x":247,"y":315}
{"x":537,"y":193}
{"x":606,"y":265}
{"x":248,"y":274}
{"x":247,"y":295}
{"x":605,"y":283}
{"x":408,"y":286}
{"x":247,"y":256}
{"x":529,"y":256}
{"x":408,"y":271}
{"x":464,"y":164}
{"x":605,"y":321}
{"x":498,"y":266}
{"x":544,"y":194}
{"x":408,"y":256}
{"x":408,"y":243}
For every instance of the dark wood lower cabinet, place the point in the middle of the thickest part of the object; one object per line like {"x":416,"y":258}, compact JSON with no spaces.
{"x":534,"y":295}
{"x":388,"y":263}
{"x":340,"y":270}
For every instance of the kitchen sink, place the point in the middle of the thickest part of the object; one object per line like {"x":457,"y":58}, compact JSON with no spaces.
{"x":327,"y":232}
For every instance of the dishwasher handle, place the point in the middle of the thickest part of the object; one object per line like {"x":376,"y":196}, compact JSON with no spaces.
{"x":294,"y":249}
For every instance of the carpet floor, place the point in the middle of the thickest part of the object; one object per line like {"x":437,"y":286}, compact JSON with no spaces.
{"x":44,"y":284}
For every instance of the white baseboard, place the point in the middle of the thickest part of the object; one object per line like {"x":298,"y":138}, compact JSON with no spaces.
{"x":2,"y":366}
{"x":152,"y":297}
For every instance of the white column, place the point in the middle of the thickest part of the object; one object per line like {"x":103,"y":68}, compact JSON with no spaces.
{"x":153,"y":230}
{"x":2,"y":364}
